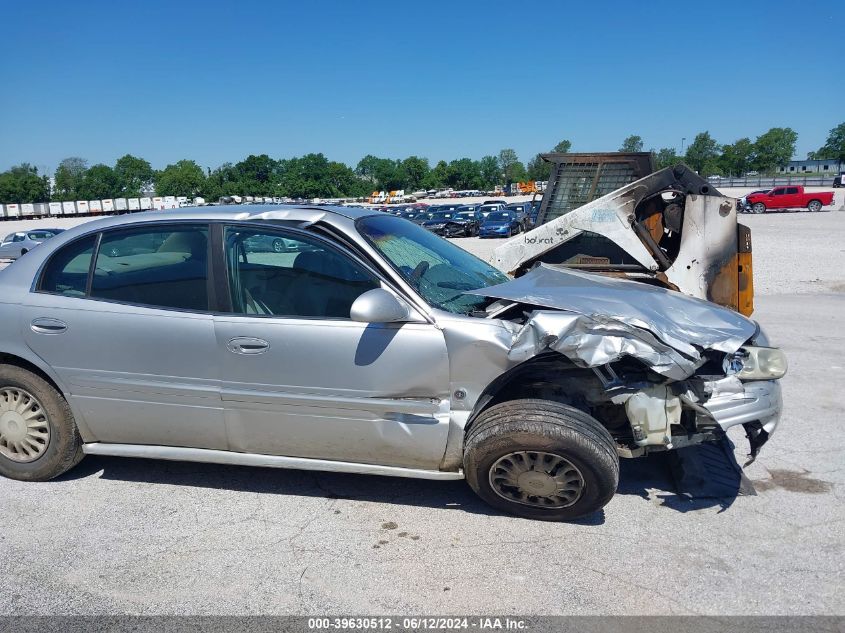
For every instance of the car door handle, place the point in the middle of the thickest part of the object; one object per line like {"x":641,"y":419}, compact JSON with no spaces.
{"x":45,"y":325}
{"x":248,"y":345}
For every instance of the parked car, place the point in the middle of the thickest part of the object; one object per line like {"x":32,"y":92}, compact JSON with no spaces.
{"x":470,"y":219}
{"x":790,"y":197}
{"x":380,"y":348}
{"x":523,"y":213}
{"x":839,"y":181}
{"x":21,"y":242}
{"x":743,"y":206}
{"x":487,"y":208}
{"x":500,"y":224}
{"x":444,"y":223}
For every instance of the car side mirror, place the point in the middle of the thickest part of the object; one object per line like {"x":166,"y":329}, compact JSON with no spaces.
{"x":379,"y":306}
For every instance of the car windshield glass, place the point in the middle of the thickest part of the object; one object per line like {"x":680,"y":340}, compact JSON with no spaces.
{"x":499,"y":216}
{"x":438,"y":269}
{"x":447,"y":215}
{"x":40,"y":235}
{"x":466,"y":214}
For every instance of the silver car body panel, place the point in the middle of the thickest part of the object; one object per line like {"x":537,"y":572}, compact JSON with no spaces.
{"x":600,"y":319}
{"x":180,"y":454}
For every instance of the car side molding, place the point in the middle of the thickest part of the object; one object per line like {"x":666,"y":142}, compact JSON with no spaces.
{"x":181,"y":454}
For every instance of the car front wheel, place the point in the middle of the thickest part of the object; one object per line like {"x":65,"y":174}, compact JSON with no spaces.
{"x":541,"y":460}
{"x":38,"y":436}
{"x":758,"y":207}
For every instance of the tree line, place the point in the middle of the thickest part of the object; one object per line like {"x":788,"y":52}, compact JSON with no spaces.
{"x":315,"y":176}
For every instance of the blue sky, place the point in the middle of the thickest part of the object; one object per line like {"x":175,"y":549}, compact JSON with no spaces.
{"x":216,"y":81}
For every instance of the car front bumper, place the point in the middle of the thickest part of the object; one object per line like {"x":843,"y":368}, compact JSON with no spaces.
{"x":757,"y":407}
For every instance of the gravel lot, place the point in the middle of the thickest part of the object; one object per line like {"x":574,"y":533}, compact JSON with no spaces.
{"x":143,"y":537}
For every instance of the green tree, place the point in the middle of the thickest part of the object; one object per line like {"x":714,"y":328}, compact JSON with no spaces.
{"x":702,"y":151}
{"x":22,"y":184}
{"x":184,"y":178}
{"x":511,"y":169}
{"x":68,"y":178}
{"x":539,"y":169}
{"x":133,"y":174}
{"x":834,"y":147}
{"x":257,"y":175}
{"x":99,"y":182}
{"x":736,"y":157}
{"x":633,"y":143}
{"x":415,"y":170}
{"x":488,"y":168}
{"x":774,"y":148}
{"x":436,"y":178}
{"x":563,"y":147}
{"x":464,"y":173}
{"x":665,"y":157}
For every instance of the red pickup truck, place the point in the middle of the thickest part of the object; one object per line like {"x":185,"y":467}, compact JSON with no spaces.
{"x":789,"y":197}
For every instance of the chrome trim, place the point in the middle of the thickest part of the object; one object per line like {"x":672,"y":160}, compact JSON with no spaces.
{"x":176,"y":453}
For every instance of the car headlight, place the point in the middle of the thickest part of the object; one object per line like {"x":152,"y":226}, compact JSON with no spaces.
{"x":757,"y":363}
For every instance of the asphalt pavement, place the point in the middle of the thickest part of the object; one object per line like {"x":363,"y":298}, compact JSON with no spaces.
{"x":144,"y":537}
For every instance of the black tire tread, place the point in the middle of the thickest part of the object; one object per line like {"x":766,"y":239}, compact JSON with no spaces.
{"x":65,"y":449}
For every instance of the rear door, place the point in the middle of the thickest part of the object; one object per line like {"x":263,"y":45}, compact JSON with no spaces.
{"x":792,"y":199}
{"x":134,"y":341}
{"x":301,"y":379}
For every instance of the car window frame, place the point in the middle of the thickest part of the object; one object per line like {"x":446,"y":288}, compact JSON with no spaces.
{"x":143,"y":227}
{"x":224,"y":287}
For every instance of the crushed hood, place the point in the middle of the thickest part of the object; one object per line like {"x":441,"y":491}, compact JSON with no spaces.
{"x":599,"y":319}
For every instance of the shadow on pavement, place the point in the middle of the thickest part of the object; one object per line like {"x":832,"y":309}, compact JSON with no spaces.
{"x":640,"y":477}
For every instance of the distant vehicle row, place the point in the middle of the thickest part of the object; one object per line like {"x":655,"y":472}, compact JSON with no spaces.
{"x":106,"y":206}
{"x":491,"y":218}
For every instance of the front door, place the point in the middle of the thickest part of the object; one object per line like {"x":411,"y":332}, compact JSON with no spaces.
{"x":301,"y":379}
{"x":134,"y":342}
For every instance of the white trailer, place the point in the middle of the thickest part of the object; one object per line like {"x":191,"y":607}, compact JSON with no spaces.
{"x":120,"y":205}
{"x":68,"y":208}
{"x":108,"y":205}
{"x":27,"y":210}
{"x":13,"y":210}
{"x":198,"y":202}
{"x":146,"y":204}
{"x":55,"y":208}
{"x":2,"y":211}
{"x":95,"y":207}
{"x":133,"y":204}
{"x":82,"y":207}
{"x":158,"y":203}
{"x":42,"y":209}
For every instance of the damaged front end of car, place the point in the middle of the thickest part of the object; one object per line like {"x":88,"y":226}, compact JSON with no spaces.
{"x":659,"y":369}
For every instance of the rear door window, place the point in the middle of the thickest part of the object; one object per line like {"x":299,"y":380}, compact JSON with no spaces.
{"x":158,"y":266}
{"x":66,"y":272}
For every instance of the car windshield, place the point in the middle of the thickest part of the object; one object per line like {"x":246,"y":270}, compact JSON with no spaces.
{"x":438,"y":269}
{"x":444,"y":215}
{"x":499,"y":216}
{"x":466,"y":214}
{"x":40,"y":235}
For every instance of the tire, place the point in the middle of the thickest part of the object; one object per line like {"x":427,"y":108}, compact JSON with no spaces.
{"x":814,"y":205}
{"x":758,"y":207}
{"x":564,"y":441}
{"x":278,"y":246}
{"x":23,"y":252}
{"x":51,"y":428}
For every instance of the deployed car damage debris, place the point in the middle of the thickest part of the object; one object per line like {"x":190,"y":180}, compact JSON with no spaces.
{"x":670,"y":228}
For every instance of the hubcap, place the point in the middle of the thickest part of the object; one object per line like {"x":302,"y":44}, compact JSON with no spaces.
{"x":24,"y":427}
{"x":533,"y":478}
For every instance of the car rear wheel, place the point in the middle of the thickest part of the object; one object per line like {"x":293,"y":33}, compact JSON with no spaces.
{"x":38,"y":436}
{"x":815,"y":206}
{"x":278,"y":246}
{"x":758,"y":207}
{"x":541,"y":459}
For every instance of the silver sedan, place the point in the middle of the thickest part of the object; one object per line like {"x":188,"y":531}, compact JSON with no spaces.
{"x":366,"y":345}
{"x":16,"y":244}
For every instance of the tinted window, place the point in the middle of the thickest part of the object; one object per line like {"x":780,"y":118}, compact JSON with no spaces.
{"x":792,"y":190}
{"x":500,"y":216}
{"x":67,"y":271}
{"x":163,"y":267}
{"x":282,"y":275}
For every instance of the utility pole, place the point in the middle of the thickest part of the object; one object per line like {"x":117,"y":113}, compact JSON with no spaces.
{"x":683,"y":140}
